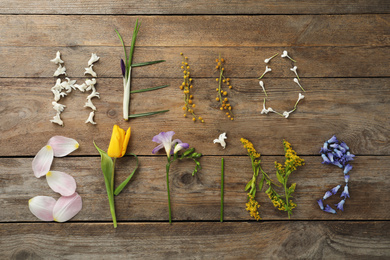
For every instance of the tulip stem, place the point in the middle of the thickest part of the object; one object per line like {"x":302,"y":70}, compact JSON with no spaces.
{"x":112,"y":204}
{"x":222,"y":181}
{"x":169,"y":195}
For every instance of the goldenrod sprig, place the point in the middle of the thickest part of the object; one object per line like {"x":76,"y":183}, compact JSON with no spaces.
{"x":187,"y":86}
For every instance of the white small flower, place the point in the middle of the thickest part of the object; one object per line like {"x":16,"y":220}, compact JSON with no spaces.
{"x":90,"y":118}
{"x":93,"y":94}
{"x":264,"y":111}
{"x":294,"y":69}
{"x":270,"y":110}
{"x":266,"y":70}
{"x":221,"y":140}
{"x":58,"y":87}
{"x":81,"y":87}
{"x":262,"y":86}
{"x":90,"y":82}
{"x":301,"y":97}
{"x":90,"y":71}
{"x":297,"y":81}
{"x":90,"y":104}
{"x":94,"y":58}
{"x":285,"y":55}
{"x":58,"y":95}
{"x":58,"y":107}
{"x":270,"y":58}
{"x":68,"y":85}
{"x":57,"y":59}
{"x":286,"y":114}
{"x":57,"y":120}
{"x":60,"y":70}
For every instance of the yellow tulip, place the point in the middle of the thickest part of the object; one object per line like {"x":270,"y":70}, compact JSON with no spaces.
{"x":119,"y":142}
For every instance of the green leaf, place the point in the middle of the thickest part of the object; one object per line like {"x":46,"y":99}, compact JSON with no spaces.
{"x":280,"y":177}
{"x":292,"y":188}
{"x":133,"y":39}
{"x":146,"y":63}
{"x":248,"y":185}
{"x":124,"y":183}
{"x":148,"y":89}
{"x":147,"y":113}
{"x":123,"y":44}
{"x":261,"y":183}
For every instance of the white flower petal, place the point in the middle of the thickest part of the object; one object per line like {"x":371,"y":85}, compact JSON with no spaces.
{"x":42,"y":207}
{"x":67,"y":207}
{"x":94,"y":58}
{"x":81,"y":87}
{"x":60,"y":70}
{"x":90,"y":105}
{"x":58,"y":107}
{"x":57,"y":120}
{"x":42,"y":161}
{"x":221,"y":140}
{"x":62,"y":145}
{"x":90,"y":118}
{"x":61,"y":182}
{"x":89,"y":70}
{"x":57,"y":59}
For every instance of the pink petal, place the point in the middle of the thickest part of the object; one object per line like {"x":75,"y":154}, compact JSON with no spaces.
{"x":61,"y":182}
{"x":67,"y":207}
{"x":42,"y":161}
{"x":42,"y":207}
{"x":62,"y":145}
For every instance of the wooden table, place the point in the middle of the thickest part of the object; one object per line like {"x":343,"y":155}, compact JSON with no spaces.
{"x":342,"y":53}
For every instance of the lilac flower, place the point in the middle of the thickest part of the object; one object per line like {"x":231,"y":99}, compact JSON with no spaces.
{"x":333,"y":140}
{"x":326,"y":160}
{"x":180,"y":146}
{"x":165,"y":141}
{"x":347,"y":168}
{"x":345,"y":193}
{"x":335,"y":189}
{"x":329,"y":209}
{"x":344,"y":145}
{"x":346,"y":178}
{"x":327,"y":195}
{"x":123,"y":67}
{"x":320,"y":204}
{"x":340,"y":205}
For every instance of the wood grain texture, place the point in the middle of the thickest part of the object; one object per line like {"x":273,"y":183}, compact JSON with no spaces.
{"x":197,"y":31}
{"x":131,"y":7}
{"x":268,"y":240}
{"x":198,"y":198}
{"x":354,"y":109}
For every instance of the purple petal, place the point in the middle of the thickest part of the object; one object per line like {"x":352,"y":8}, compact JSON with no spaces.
{"x":335,"y":189}
{"x":181,"y":146}
{"x":339,"y":153}
{"x":349,"y":157}
{"x":324,"y":149}
{"x":330,"y":156}
{"x":346,"y":178}
{"x":163,"y":137}
{"x":320,"y":204}
{"x":326,"y":160}
{"x":345,"y":193}
{"x":123,"y":67}
{"x":333,"y":140}
{"x":157,"y":148}
{"x":329,"y":209}
{"x":327,"y":195}
{"x":337,"y":163}
{"x":336,"y":146}
{"x":340,"y":205}
{"x":347,"y":168}
{"x":344,"y":145}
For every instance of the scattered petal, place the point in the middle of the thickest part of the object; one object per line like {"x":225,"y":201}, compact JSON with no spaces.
{"x":90,"y":105}
{"x":81,"y":87}
{"x":329,"y":209}
{"x":42,"y":161}
{"x":57,"y":59}
{"x":42,"y":207}
{"x":347,"y":168}
{"x":320,"y":204}
{"x":90,"y":118}
{"x":346,"y":178}
{"x":67,"y":207}
{"x":94,"y":58}
{"x":335,"y":189}
{"x":340,"y":205}
{"x":221,"y":140}
{"x":62,"y":145}
{"x":60,"y":71}
{"x":333,"y":139}
{"x":345,"y":193}
{"x":327,"y":195}
{"x":90,"y":71}
{"x":57,"y":120}
{"x":61,"y":182}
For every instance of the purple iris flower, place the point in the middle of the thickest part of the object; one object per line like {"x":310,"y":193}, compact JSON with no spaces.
{"x":320,"y":204}
{"x":346,"y":178}
{"x":333,"y":140}
{"x":345,"y":193}
{"x":329,"y":209}
{"x":335,"y":189}
{"x":327,"y":195}
{"x":123,"y":67}
{"x":340,"y":205}
{"x":347,"y":168}
{"x":165,"y":141}
{"x":330,"y":156}
{"x":344,"y":145}
{"x":326,"y":160}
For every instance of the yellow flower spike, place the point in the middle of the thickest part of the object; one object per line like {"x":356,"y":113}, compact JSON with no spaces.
{"x":119,"y":141}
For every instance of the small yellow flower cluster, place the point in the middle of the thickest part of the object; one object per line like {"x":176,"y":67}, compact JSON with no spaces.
{"x":277,"y":201}
{"x":187,"y":86}
{"x":221,"y":96}
{"x":292,"y":159}
{"x":249,"y":147}
{"x":252,"y":207}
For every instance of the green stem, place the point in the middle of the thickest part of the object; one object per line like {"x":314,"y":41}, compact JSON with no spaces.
{"x":169,"y":195}
{"x":222,"y":181}
{"x":111,"y":196}
{"x":285,"y":191}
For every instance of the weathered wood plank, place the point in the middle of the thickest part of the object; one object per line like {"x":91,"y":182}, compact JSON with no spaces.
{"x":247,"y":62}
{"x":354,"y":109}
{"x":198,"y":198}
{"x":194,"y":7}
{"x":196,"y":31}
{"x":268,"y":240}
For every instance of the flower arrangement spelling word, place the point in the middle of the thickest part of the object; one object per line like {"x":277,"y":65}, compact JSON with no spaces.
{"x":221,"y":93}
{"x":69,"y":204}
{"x":126,"y":67}
{"x":117,"y":149}
{"x":283,"y":203}
{"x":164,"y":139}
{"x":187,"y":87}
{"x":336,"y":153}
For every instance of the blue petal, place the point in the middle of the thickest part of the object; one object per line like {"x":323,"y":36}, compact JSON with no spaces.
{"x":327,"y":195}
{"x":329,"y":209}
{"x":345,"y":193}
{"x":336,"y":146}
{"x":347,"y":168}
{"x":346,"y":178}
{"x":344,"y":145}
{"x":320,"y":204}
{"x":335,"y":189}
{"x":339,"y":153}
{"x":333,"y":140}
{"x":326,"y":160}
{"x":337,"y":163}
{"x":330,"y":156}
{"x":349,"y":157}
{"x":340,"y":205}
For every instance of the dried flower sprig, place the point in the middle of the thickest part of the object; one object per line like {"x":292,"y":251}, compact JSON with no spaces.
{"x":126,"y":67}
{"x":222,"y":94}
{"x":187,"y":87}
{"x":336,"y":153}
